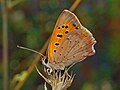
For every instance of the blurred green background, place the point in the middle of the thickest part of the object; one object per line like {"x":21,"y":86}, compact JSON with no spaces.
{"x":31,"y":22}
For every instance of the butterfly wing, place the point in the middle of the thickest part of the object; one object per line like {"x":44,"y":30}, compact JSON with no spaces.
{"x":76,"y":47}
{"x":66,"y":23}
{"x":70,"y":42}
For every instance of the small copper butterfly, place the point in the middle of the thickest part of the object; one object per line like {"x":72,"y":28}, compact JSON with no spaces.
{"x":70,"y":43}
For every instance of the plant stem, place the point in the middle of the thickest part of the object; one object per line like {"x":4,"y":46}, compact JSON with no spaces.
{"x":30,"y":69}
{"x":5,"y":44}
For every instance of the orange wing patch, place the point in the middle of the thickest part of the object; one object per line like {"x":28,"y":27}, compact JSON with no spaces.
{"x":59,"y":36}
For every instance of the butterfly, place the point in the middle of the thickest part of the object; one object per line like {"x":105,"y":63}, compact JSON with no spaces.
{"x":70,"y":43}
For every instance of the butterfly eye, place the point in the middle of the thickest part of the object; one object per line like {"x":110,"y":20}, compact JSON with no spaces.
{"x":46,"y":61}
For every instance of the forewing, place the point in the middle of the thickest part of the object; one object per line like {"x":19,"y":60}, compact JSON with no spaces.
{"x":66,"y":23}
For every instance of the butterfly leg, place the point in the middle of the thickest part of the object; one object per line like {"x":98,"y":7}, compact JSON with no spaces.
{"x":45,"y":87}
{"x":67,"y":69}
{"x":71,"y":66}
{"x":47,"y":80}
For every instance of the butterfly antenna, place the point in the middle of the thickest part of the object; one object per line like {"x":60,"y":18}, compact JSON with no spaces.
{"x":30,"y":50}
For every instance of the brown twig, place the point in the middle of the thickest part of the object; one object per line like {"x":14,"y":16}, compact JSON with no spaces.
{"x":12,"y":4}
{"x":76,"y":3}
{"x":19,"y":85}
{"x":30,"y":69}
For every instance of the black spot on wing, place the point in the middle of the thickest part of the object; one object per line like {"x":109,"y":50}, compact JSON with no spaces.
{"x":68,"y":38}
{"x":62,"y":47}
{"x":58,"y":27}
{"x":66,"y":32}
{"x":63,"y":26}
{"x":54,"y":50}
{"x":59,"y":35}
{"x":66,"y":26}
{"x":75,"y":26}
{"x":56,"y":44}
{"x":73,"y":56}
